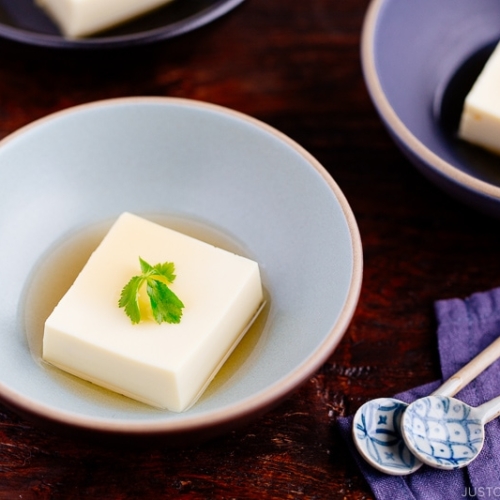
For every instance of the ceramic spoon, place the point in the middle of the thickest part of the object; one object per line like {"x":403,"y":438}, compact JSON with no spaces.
{"x":446,"y":433}
{"x":376,"y":427}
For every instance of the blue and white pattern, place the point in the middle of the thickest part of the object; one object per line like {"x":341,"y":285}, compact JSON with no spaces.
{"x":443,"y":432}
{"x":377,"y":434}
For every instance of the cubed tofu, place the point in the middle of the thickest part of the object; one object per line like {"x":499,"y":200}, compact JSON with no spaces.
{"x":480,"y":121}
{"x":164,"y":365}
{"x":80,"y":18}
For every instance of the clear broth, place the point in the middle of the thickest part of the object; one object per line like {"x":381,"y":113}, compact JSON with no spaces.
{"x":59,"y":267}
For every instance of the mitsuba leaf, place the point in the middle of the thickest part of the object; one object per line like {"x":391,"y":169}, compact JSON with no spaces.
{"x":167,"y":270}
{"x":165,"y":304}
{"x":145,"y":267}
{"x":129,"y":298}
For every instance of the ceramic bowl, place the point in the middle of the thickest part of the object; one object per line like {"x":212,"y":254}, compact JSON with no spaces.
{"x":208,"y":171}
{"x":24,"y":22}
{"x":420,"y":58}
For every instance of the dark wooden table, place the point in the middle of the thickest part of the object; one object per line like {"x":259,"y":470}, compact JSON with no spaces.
{"x":294,"y":65}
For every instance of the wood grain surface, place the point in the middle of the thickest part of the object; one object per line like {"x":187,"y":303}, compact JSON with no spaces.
{"x":296,"y":66}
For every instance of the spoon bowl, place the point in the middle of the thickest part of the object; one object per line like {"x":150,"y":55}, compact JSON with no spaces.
{"x":444,"y":432}
{"x":377,"y":436}
{"x":376,"y":429}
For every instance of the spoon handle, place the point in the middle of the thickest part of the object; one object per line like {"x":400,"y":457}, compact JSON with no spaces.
{"x":489,"y":410}
{"x":470,"y":371}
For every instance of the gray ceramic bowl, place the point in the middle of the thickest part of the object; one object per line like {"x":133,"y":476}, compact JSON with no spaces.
{"x":211,"y":172}
{"x":419,"y":59}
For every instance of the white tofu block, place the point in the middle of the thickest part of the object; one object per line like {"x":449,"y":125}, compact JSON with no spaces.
{"x":164,"y":365}
{"x":79,"y":18}
{"x":480,"y":121}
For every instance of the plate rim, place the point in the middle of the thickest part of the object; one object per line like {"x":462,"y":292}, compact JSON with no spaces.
{"x":255,"y":403}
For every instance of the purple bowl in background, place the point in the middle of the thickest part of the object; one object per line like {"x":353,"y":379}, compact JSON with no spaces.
{"x":22,"y":21}
{"x":420,"y":58}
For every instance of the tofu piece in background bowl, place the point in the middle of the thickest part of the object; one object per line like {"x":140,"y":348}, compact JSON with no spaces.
{"x":80,"y":18}
{"x":480,"y":121}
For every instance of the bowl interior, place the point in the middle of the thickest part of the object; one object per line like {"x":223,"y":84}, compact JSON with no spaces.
{"x":211,"y":172}
{"x":424,"y":51}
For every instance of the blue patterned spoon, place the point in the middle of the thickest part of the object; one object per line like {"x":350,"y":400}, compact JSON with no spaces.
{"x":446,"y":433}
{"x":376,"y":427}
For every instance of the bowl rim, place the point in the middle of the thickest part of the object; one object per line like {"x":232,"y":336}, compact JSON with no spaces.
{"x":396,"y":125}
{"x":253,"y":404}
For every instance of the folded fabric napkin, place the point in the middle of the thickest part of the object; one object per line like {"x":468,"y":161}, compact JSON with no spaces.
{"x":465,"y":328}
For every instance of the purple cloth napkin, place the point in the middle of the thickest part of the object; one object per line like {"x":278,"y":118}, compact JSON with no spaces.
{"x":465,"y":328}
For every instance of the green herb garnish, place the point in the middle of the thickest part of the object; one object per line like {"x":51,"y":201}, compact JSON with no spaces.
{"x":165,"y":305}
